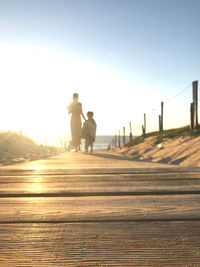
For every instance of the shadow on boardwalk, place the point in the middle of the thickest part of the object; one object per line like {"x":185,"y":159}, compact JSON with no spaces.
{"x":166,"y":161}
{"x":118,"y":157}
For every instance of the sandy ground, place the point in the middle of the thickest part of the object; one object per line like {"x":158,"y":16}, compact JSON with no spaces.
{"x":183,"y":151}
{"x":15,"y":148}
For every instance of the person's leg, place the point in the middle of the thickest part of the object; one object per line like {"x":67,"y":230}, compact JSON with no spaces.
{"x":91,"y":148}
{"x":86,"y":145}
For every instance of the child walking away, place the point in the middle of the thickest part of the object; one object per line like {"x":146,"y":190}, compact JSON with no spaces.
{"x":89,"y":131}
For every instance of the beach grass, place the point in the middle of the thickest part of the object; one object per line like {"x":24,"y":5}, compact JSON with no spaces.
{"x":16,"y":147}
{"x":167,"y":134}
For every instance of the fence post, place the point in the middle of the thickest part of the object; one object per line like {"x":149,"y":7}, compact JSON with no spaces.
{"x":115,"y":141}
{"x":144,"y":128}
{"x":119,"y":140}
{"x":159,"y":123}
{"x":195,"y":104}
{"x":124,"y":134}
{"x":191,"y":116}
{"x":131,"y":135}
{"x":143,"y":131}
{"x":161,"y":119}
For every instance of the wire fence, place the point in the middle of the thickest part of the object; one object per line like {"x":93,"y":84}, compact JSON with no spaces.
{"x":176,"y":113}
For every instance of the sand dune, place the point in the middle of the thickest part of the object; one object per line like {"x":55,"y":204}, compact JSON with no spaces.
{"x":16,"y":148}
{"x":183,"y":151}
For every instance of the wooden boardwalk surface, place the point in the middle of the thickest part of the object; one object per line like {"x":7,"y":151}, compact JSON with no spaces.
{"x":103,"y":209}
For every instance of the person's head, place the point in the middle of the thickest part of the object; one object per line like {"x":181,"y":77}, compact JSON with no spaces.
{"x":90,"y":115}
{"x":75,"y":96}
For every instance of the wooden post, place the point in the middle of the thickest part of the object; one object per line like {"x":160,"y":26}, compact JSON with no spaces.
{"x":124,"y":135}
{"x":191,"y":116}
{"x":161,"y":119}
{"x":159,"y":123}
{"x":119,"y":140}
{"x":131,"y":135}
{"x":195,"y":103}
{"x":115,"y":141}
{"x":144,"y":130}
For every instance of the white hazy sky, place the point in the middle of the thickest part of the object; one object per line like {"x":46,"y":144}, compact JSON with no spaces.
{"x":123,"y":57}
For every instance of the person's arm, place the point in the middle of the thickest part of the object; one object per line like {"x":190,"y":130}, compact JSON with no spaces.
{"x":82,"y":113}
{"x":83,"y":116}
{"x":69,"y":109}
{"x":95,"y":127}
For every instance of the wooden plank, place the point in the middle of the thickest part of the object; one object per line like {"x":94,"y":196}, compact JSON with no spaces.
{"x":97,"y":171}
{"x":99,"y":208}
{"x":53,"y":177}
{"x":101,"y":244}
{"x":158,"y":226}
{"x":35,"y":186}
{"x":84,"y":161}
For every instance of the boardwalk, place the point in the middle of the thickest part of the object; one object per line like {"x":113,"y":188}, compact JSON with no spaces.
{"x":103,"y":209}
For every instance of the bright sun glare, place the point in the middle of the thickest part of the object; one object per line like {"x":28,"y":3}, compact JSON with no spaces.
{"x":38,"y":85}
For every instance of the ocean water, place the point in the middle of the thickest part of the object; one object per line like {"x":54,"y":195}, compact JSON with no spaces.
{"x":102,"y":142}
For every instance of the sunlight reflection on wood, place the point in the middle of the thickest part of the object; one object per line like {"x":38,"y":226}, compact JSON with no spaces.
{"x":37,"y":186}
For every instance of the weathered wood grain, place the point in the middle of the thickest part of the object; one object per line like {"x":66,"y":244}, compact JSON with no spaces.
{"x":109,"y":208}
{"x":114,"y":213}
{"x":101,"y":244}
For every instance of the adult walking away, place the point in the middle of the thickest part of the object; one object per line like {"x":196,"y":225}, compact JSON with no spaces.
{"x":75,"y":108}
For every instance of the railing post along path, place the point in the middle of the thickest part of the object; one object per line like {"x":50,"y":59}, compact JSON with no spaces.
{"x":159,"y":123}
{"x":115,"y":141}
{"x":144,"y":126}
{"x":119,"y":140}
{"x":124,"y":134}
{"x":161,"y":119}
{"x":131,"y":135}
{"x":195,"y":103}
{"x":191,"y":116}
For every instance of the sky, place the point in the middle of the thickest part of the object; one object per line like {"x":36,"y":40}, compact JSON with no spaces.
{"x":123,"y":57}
